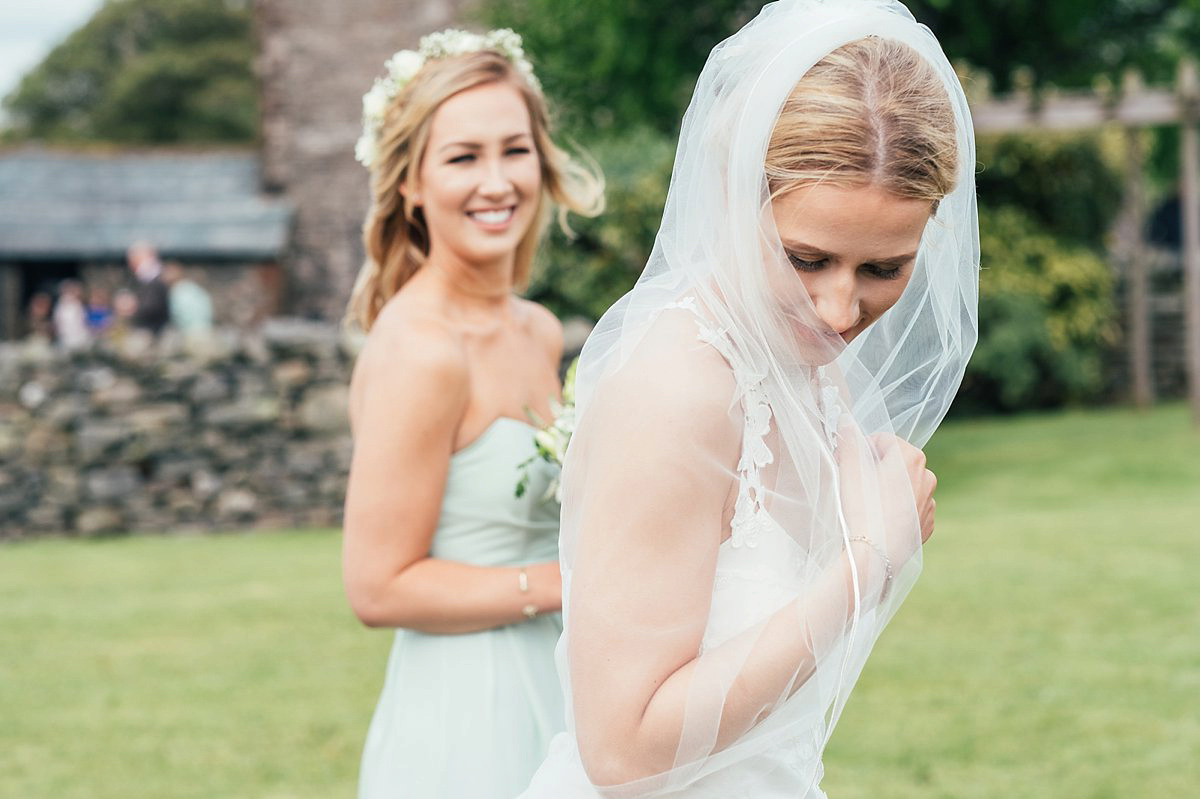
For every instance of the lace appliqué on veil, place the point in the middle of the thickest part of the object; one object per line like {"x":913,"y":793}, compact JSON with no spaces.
{"x":829,"y":406}
{"x":750,"y":518}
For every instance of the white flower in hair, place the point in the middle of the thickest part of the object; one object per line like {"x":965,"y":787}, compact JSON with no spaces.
{"x":375,"y":101}
{"x":404,"y":65}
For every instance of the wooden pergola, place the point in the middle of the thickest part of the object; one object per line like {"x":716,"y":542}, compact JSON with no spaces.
{"x":1133,"y":106}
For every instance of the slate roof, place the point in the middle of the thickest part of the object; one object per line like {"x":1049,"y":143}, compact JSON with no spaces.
{"x":60,"y":205}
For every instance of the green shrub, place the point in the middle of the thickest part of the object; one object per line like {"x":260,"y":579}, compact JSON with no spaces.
{"x":1046,"y":318}
{"x":612,"y":65}
{"x":585,"y":275}
{"x":1068,"y":183}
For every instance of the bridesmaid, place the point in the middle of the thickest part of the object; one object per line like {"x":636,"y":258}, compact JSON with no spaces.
{"x":463,"y":173}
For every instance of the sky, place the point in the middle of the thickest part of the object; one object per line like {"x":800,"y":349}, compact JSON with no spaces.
{"x":29,"y":29}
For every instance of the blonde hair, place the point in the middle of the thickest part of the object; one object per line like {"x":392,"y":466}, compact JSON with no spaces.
{"x":871,"y":112}
{"x":394,"y":232}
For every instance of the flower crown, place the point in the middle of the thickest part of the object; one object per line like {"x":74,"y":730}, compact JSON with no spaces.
{"x":404,"y":65}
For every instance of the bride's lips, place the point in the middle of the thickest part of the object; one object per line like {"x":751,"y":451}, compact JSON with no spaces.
{"x":817,"y":340}
{"x":493,"y":219}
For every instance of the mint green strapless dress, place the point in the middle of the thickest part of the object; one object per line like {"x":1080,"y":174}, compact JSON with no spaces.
{"x":470,"y":716}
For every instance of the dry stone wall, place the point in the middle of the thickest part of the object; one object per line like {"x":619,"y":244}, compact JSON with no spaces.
{"x":232,"y":431}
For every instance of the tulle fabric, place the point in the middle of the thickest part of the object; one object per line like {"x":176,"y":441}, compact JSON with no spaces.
{"x":730,"y":470}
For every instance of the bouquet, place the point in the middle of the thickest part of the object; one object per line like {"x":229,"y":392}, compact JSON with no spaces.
{"x":551,"y":439}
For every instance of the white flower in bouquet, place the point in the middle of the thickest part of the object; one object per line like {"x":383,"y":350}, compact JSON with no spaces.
{"x":551,"y":439}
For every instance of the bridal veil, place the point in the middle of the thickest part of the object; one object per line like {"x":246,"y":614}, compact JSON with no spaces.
{"x":728,"y":454}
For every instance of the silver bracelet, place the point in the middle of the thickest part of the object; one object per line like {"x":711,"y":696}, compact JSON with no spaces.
{"x":887,"y":564}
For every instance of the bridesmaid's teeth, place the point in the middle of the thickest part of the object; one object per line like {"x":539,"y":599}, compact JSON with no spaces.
{"x":492,"y":217}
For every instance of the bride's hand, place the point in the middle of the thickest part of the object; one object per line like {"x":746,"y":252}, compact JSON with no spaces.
{"x":921,"y":478}
{"x":887,"y":494}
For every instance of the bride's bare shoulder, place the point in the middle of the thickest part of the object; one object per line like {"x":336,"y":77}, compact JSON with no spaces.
{"x":674,"y":373}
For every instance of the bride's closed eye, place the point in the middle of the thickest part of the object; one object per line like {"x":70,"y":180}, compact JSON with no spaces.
{"x":817,"y":264}
{"x":882,"y":272}
{"x":806,"y":265}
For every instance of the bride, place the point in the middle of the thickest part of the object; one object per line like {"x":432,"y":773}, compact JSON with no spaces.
{"x":745,"y":500}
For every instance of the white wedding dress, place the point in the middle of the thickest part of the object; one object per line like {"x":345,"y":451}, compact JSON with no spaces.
{"x":759,"y":570}
{"x":729,"y":476}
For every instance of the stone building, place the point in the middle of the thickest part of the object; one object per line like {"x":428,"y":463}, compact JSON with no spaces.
{"x":317,"y":60}
{"x":72,"y":214}
{"x":273,"y":231}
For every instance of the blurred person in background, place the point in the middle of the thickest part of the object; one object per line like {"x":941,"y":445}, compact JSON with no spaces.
{"x":124,"y":309}
{"x":436,"y":541}
{"x":99,"y":310}
{"x":70,"y":317}
{"x":39,"y":320}
{"x":191,"y":307}
{"x":150,"y":290}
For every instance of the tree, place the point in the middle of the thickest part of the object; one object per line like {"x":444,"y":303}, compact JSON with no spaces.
{"x":146,"y":71}
{"x":1064,"y":42}
{"x":612,"y":65}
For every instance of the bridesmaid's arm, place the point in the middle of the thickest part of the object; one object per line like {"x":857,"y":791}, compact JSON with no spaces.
{"x":408,"y":395}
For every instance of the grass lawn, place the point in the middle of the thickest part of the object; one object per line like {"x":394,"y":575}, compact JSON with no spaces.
{"x":1050,"y":651}
{"x":157,"y":667}
{"x":1052,"y":646}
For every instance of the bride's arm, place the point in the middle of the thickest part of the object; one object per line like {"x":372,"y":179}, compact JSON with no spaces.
{"x":660,"y":448}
